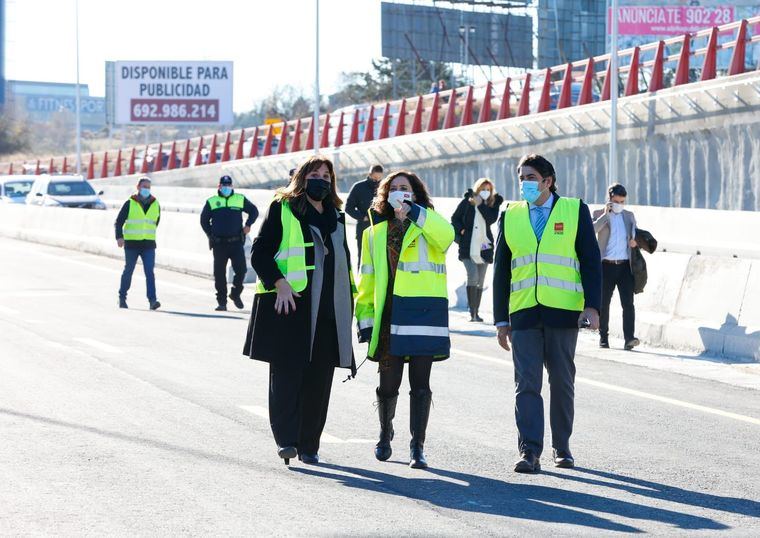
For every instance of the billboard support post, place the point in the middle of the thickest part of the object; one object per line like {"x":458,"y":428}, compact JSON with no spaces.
{"x":613,"y":78}
{"x":78,"y":113}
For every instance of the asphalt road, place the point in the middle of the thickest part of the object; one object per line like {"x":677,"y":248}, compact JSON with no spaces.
{"x":152,"y":423}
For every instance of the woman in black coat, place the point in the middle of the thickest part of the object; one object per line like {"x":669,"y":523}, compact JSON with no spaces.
{"x":472,"y":222}
{"x":301,"y":319}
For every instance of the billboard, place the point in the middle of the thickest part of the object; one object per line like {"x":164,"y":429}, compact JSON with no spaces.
{"x":433,"y":33}
{"x":172,"y":92}
{"x":669,"y":20}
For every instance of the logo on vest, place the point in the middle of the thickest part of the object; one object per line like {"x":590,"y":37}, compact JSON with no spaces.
{"x":559,"y":228}
{"x":218,"y":203}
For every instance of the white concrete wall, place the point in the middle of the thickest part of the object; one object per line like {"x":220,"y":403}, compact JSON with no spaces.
{"x":707,"y":303}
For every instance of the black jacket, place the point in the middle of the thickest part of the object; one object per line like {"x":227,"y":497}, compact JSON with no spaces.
{"x":278,"y":338}
{"x":464,"y":219}
{"x":121,"y":218}
{"x":645,"y":241}
{"x":359,"y":201}
{"x":227,"y":222}
{"x":587,"y":250}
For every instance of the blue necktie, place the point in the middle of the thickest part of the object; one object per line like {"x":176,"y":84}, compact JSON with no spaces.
{"x":540,"y":222}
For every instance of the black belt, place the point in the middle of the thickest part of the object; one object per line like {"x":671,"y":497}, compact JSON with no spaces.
{"x":615,"y":262}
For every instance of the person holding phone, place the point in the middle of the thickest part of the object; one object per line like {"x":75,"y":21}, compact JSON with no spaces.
{"x":547,"y":284}
{"x":303,"y":308}
{"x":403,"y":307}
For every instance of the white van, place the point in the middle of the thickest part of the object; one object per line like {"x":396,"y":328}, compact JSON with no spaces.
{"x":64,"y":191}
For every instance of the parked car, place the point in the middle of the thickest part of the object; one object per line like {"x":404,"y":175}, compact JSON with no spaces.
{"x":64,"y":191}
{"x":13,"y":189}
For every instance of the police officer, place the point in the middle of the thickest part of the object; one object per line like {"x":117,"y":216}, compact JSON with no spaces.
{"x":222,"y":221}
{"x":135,"y":228}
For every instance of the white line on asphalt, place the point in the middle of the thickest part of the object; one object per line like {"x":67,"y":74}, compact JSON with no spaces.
{"x":631,"y":392}
{"x":326,"y":437}
{"x":99,"y":345}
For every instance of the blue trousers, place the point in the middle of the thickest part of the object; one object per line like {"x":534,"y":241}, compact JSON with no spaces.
{"x":148,"y":256}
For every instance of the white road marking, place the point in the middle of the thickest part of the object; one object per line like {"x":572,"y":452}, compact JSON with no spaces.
{"x":99,"y":345}
{"x":326,"y":437}
{"x":630,"y":392}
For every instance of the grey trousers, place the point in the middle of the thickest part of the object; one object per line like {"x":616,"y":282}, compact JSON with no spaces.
{"x":532,"y":349}
{"x":476,"y":273}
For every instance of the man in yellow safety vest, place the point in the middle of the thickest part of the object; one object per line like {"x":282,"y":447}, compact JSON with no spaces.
{"x":547,"y":284}
{"x":136,"y":233}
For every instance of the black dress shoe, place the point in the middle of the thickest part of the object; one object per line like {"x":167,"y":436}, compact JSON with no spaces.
{"x":528,"y":463}
{"x":604,"y":343}
{"x":155,"y":305}
{"x":123,"y":303}
{"x":630,"y":344}
{"x":287,"y":452}
{"x":309,"y":459}
{"x":221,"y":308}
{"x":563,"y":459}
{"x":237,"y":301}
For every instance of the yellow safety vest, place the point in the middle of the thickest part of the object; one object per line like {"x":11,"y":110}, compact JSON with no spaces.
{"x":233,"y":201}
{"x":419,"y":318}
{"x":545,"y":272}
{"x":140,"y":225}
{"x":291,"y":254}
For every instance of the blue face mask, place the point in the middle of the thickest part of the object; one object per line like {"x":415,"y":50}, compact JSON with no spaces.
{"x":145,"y":193}
{"x":529,"y":191}
{"x":225,"y":191}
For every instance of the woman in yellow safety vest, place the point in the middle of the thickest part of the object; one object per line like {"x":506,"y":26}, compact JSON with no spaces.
{"x":402,"y":308}
{"x":303,"y":309}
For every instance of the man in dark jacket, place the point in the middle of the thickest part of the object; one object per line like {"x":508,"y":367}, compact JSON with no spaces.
{"x":135,"y":229}
{"x":222,"y":221}
{"x":547,"y":283}
{"x":359,"y":201}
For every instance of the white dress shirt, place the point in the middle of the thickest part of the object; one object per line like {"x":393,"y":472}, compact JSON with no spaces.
{"x":617,"y":246}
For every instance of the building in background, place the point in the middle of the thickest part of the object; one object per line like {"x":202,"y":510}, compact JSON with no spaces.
{"x":40,"y":101}
{"x":569,"y":30}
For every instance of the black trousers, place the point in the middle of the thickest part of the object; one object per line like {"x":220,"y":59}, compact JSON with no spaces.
{"x":235,"y":253}
{"x":299,"y":395}
{"x":392,"y":370}
{"x":619,"y":276}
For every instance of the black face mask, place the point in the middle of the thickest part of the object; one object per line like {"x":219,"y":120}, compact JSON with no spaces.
{"x":317,"y":189}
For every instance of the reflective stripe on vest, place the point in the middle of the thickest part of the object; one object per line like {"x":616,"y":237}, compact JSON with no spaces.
{"x":546,"y":273}
{"x":233,"y":201}
{"x":291,"y":255}
{"x":141,"y":226}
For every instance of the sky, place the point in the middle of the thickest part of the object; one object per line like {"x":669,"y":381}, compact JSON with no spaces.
{"x":271,"y":42}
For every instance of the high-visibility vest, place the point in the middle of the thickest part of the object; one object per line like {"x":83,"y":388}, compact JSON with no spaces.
{"x":233,"y":201}
{"x":141,"y":225}
{"x":419,"y":317}
{"x":291,"y":255}
{"x":545,"y":272}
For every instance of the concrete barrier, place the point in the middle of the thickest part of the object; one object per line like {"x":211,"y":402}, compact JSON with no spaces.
{"x":706,"y":303}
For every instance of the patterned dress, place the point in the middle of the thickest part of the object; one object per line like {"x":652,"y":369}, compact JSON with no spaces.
{"x":396,"y":232}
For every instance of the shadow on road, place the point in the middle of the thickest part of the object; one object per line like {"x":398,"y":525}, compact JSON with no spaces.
{"x":471,"y":493}
{"x":197,"y":315}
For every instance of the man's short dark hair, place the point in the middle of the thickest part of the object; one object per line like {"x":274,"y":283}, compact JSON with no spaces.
{"x":542,"y":166}
{"x":616,"y":189}
{"x":376,"y":169}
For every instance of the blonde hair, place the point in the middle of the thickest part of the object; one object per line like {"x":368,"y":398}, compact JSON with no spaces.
{"x":479,"y":186}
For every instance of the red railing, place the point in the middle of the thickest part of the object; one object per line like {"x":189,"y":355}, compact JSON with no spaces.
{"x":648,"y":68}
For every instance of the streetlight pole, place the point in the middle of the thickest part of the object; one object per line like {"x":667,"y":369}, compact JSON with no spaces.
{"x":78,"y":95}
{"x":613,"y":168}
{"x":315,"y":120}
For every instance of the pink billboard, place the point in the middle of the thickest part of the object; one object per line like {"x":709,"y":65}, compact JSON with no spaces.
{"x":669,"y":20}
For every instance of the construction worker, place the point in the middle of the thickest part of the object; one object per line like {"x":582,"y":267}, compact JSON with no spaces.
{"x":403,"y":307}
{"x":547,"y":283}
{"x":222,"y":221}
{"x":135,"y":227}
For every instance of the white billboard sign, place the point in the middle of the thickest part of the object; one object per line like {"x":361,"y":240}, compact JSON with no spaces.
{"x":173,"y":92}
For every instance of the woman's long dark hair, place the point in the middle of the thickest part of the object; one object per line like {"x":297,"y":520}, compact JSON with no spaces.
{"x":295,"y":192}
{"x":380,"y":204}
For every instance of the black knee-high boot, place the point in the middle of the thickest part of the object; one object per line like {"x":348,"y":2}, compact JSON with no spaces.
{"x":478,"y":296}
{"x":386,"y":409}
{"x":471,"y":296}
{"x":418,"y":420}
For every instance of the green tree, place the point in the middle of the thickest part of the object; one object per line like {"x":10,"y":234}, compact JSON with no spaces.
{"x":14,"y":133}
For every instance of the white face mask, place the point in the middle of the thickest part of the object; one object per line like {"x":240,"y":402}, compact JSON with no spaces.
{"x":617,"y":208}
{"x":396,"y":198}
{"x":485,"y":194}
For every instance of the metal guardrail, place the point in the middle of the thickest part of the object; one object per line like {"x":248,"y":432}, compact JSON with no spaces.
{"x":646,"y":69}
